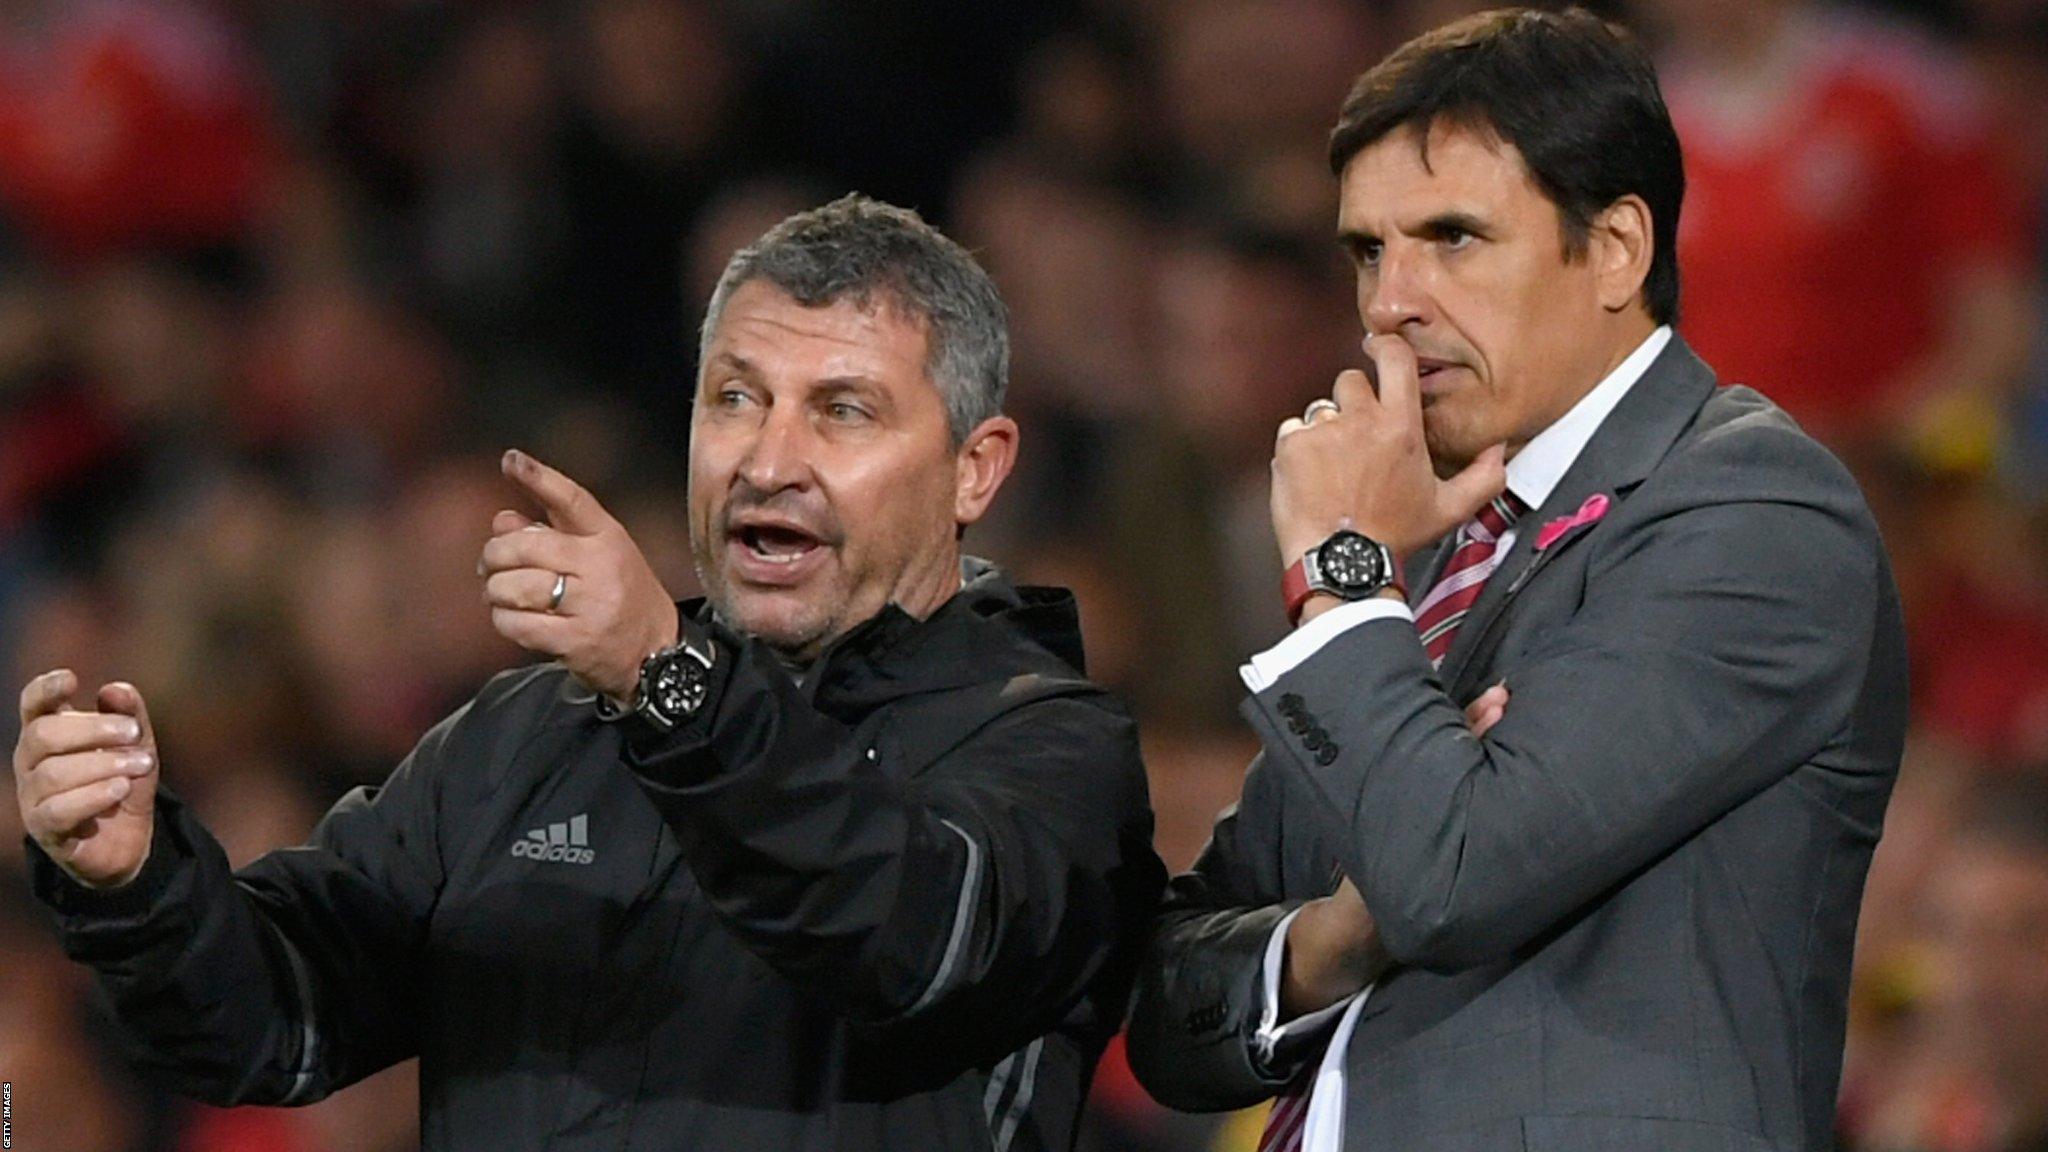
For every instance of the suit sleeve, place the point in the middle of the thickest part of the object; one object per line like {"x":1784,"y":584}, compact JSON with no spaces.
{"x":291,"y":979}
{"x":1200,"y":990}
{"x":1720,"y":645}
{"x":989,"y":891}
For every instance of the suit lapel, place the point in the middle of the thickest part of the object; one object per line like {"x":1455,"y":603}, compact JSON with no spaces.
{"x":1629,"y":443}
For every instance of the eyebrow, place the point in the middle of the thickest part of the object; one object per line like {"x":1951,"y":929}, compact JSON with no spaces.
{"x":1461,"y":221}
{"x":738,"y":363}
{"x":825,"y":386}
{"x":845,"y":384}
{"x":864,"y":387}
{"x":1352,"y":239}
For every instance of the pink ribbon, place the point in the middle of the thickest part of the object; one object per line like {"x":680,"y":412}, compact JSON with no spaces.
{"x":1589,"y":513}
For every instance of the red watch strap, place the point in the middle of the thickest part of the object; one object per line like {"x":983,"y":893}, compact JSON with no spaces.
{"x":1294,"y":589}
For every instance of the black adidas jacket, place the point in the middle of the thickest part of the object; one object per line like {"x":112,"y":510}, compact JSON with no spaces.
{"x":894,"y":909}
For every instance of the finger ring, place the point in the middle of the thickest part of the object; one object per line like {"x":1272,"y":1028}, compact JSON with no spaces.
{"x":561,"y":590}
{"x":1318,"y":406}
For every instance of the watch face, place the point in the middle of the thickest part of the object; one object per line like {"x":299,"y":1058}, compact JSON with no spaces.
{"x":1352,"y":564}
{"x":679,"y":687}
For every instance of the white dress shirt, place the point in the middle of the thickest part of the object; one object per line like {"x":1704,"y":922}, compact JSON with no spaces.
{"x":1532,"y":475}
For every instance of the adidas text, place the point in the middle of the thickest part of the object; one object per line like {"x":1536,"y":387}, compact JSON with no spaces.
{"x":559,"y":853}
{"x":566,"y":842}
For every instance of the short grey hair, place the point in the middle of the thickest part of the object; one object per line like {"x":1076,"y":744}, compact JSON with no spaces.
{"x":877,"y":254}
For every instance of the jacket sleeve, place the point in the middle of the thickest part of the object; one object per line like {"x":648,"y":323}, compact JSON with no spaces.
{"x":1720,"y":645}
{"x":284,"y":982}
{"x":1200,"y":996}
{"x":992,"y":889}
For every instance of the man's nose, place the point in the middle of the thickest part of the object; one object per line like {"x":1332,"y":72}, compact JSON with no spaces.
{"x":1395,"y":294}
{"x":779,"y":455}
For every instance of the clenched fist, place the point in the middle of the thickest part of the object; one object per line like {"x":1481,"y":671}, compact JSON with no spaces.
{"x":577,"y":587}
{"x":86,"y":781}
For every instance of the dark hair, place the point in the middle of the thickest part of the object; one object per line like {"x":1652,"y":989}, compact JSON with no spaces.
{"x":1575,"y":95}
{"x":872,"y":253}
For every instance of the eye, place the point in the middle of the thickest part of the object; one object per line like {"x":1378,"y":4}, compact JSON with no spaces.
{"x":1454,"y":238}
{"x":732,"y":398}
{"x":1366,"y":253}
{"x":845,"y":412}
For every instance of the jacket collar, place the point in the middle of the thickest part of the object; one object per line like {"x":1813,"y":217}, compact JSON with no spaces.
{"x":1629,"y":444}
{"x":989,"y":631}
{"x":1540,"y":466}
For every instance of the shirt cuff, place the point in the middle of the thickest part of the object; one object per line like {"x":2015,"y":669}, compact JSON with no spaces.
{"x":1269,"y":666}
{"x":1275,"y":1044}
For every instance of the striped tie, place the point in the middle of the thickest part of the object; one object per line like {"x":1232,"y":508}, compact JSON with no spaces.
{"x":1437,"y":619}
{"x":1477,"y":555}
{"x":1285,"y":1123}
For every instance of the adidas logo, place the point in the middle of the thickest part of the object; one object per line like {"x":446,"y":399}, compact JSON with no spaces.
{"x":559,"y":843}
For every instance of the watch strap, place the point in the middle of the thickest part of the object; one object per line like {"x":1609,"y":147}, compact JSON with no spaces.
{"x":1295,"y":589}
{"x":1301,"y":581}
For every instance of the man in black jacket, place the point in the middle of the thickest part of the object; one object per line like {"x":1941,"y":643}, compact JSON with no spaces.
{"x":850,"y":856}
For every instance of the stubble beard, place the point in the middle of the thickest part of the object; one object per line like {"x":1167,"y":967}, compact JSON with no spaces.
{"x":1448,"y":453}
{"x":800,"y":639}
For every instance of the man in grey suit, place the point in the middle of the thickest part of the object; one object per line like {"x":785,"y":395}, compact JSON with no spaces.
{"x":1622,"y":917}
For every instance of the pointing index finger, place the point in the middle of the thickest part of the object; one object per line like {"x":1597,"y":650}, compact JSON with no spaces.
{"x":568,"y":505}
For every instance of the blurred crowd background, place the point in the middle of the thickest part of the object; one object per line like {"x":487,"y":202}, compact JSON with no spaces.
{"x":280,"y":278}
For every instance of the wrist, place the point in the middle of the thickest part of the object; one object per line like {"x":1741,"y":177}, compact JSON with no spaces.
{"x":1345,"y":566}
{"x":664,"y":632}
{"x":675,"y":683}
{"x":98,"y":884}
{"x":1318,"y":603}
{"x":1312,"y":977}
{"x":1321,"y":602}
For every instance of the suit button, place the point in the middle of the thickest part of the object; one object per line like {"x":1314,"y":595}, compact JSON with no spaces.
{"x":1326,"y":755}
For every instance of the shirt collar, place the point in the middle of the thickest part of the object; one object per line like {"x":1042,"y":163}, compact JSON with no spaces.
{"x":1535,"y":471}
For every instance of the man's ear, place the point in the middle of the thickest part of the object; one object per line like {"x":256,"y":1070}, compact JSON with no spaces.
{"x":981,"y":464}
{"x":1621,"y":245}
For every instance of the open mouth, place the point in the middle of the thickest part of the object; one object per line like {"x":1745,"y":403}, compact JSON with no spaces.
{"x":777,"y":544}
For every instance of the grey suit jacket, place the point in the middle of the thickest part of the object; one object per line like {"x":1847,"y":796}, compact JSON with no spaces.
{"x":1624,"y":919}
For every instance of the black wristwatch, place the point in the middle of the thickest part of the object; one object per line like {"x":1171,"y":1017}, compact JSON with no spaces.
{"x":675,"y":682}
{"x":1348,"y":565}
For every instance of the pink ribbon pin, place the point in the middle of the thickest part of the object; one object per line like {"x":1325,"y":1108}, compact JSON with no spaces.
{"x":1590,"y":512}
